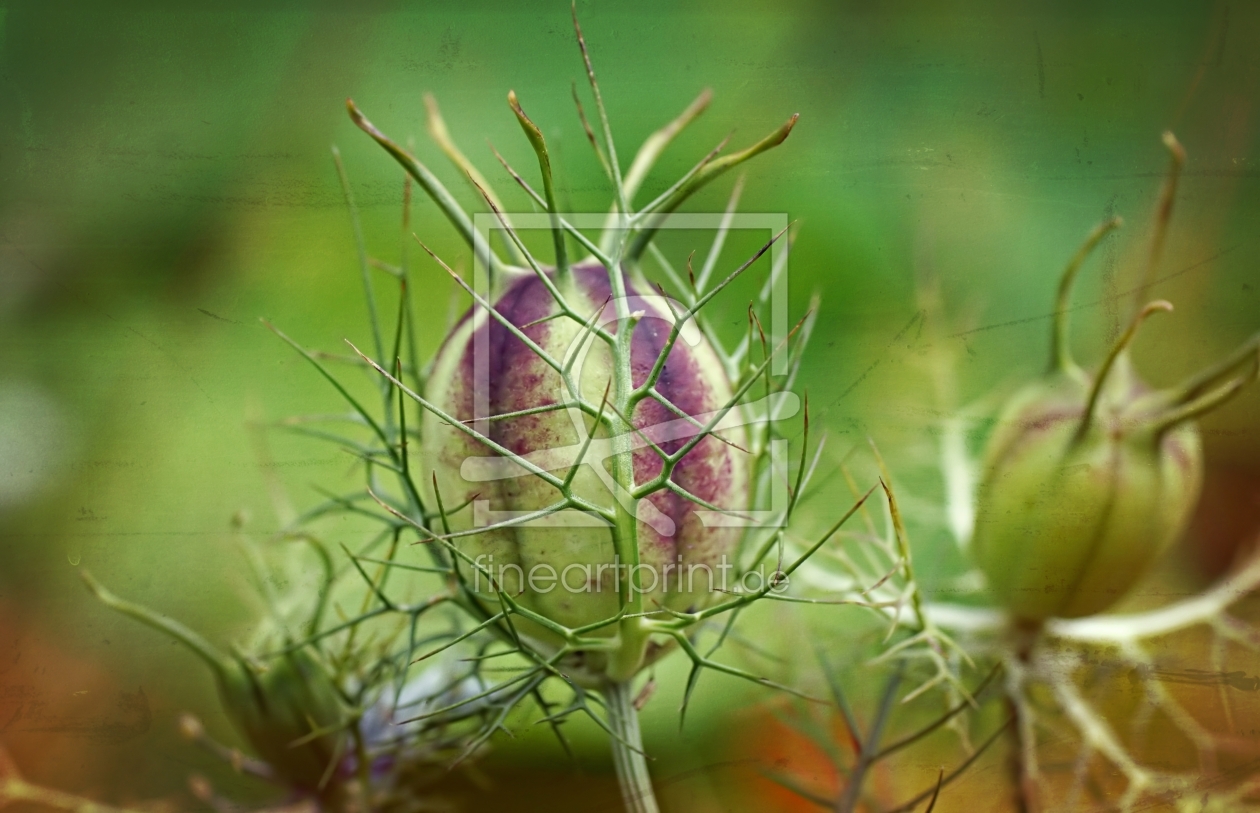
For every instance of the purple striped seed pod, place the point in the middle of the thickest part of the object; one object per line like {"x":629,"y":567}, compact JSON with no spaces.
{"x":566,"y":566}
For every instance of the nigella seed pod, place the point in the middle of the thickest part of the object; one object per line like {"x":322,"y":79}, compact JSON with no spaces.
{"x":1088,"y":478}
{"x":570,"y":566}
{"x":582,"y":456}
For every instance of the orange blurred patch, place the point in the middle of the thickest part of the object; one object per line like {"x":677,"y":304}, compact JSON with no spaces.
{"x":64,"y":722}
{"x":780,"y":751}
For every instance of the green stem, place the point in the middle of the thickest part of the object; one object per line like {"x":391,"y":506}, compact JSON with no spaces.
{"x":627,"y":745}
{"x":626,"y":660}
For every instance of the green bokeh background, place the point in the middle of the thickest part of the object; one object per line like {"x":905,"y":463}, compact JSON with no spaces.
{"x":165,"y":180}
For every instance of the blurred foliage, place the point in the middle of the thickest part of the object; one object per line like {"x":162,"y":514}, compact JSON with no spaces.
{"x":165,"y":180}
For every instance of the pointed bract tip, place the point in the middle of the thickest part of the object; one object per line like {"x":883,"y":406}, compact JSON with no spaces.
{"x":357,"y":116}
{"x":1174,"y":147}
{"x":786,"y":129}
{"x":515,"y":103}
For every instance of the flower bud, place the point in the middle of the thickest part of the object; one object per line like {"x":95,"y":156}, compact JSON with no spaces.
{"x":1087,"y":479}
{"x":290,"y":712}
{"x":572,"y":566}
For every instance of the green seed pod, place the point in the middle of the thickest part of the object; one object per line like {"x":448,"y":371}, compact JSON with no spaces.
{"x":1088,"y":479}
{"x":289,"y":710}
{"x":1075,"y":504}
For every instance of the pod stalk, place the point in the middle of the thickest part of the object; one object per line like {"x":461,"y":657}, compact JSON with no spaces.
{"x":627,"y":745}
